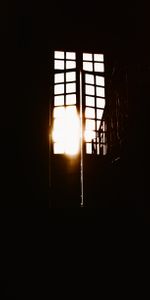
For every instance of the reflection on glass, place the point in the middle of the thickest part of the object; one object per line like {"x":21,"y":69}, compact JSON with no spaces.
{"x":70,"y":55}
{"x":59,"y":54}
{"x":59,"y":64}
{"x":87,"y":66}
{"x":89,"y":78}
{"x":70,"y":64}
{"x":99,"y":57}
{"x":89,"y":112}
{"x":87,"y":56}
{"x":89,"y":89}
{"x":59,"y":78}
{"x":90,"y":101}
{"x":59,"y":100}
{"x":100,"y":102}
{"x":100,"y":91}
{"x":98,"y":67}
{"x":70,"y":88}
{"x":70,"y":76}
{"x":100,"y":80}
{"x":71,"y":99}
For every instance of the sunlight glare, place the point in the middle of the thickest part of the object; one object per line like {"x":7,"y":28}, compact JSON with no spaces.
{"x":66,"y":132}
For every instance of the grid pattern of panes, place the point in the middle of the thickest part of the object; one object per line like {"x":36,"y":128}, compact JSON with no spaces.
{"x":64,"y":113}
{"x":93,"y":67}
{"x":65,"y":123}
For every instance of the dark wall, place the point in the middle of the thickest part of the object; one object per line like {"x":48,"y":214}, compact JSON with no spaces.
{"x":32,"y":30}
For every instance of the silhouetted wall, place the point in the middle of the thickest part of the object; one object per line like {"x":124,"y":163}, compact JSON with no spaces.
{"x":31,"y":31}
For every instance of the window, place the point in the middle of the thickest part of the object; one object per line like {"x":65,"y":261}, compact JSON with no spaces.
{"x":70,"y":76}
{"x":90,"y":101}
{"x":94,"y":81}
{"x":100,"y":80}
{"x":70,"y":99}
{"x":59,"y":64}
{"x":66,"y":133}
{"x":59,"y":100}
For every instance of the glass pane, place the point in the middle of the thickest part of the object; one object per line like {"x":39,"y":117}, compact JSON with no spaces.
{"x":70,"y":88}
{"x":87,"y":56}
{"x":71,"y":111}
{"x":58,"y":135}
{"x":66,"y":130}
{"x":72,"y":132}
{"x":99,"y":57}
{"x":90,"y":112}
{"x":59,"y":78}
{"x":99,"y":113}
{"x":98,"y":124}
{"x":70,"y":64}
{"x":59,"y":64}
{"x":58,"y":124}
{"x":70,"y":76}
{"x":59,"y":148}
{"x":70,"y":55}
{"x":59,"y":112}
{"x":104,"y":150}
{"x":89,"y":78}
{"x":87,"y":66}
{"x":59,"y":54}
{"x":104,"y":126}
{"x":71,"y":99}
{"x":90,"y":125}
{"x":104,"y":138}
{"x":59,"y":100}
{"x":58,"y":89}
{"x":100,"y":80}
{"x":89,"y":135}
{"x":89,"y":89}
{"x":98,"y":67}
{"x":100,"y":102}
{"x":100,"y":91}
{"x":88,"y":148}
{"x":90,"y":101}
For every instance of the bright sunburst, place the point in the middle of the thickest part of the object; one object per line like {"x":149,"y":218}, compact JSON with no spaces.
{"x":66,"y":130}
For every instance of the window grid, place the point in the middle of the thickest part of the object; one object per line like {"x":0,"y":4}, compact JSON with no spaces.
{"x":97,"y":92}
{"x":96,"y":144}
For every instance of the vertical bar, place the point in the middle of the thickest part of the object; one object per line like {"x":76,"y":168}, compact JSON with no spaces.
{"x":51,"y":104}
{"x":81,"y":140}
{"x":95,"y":102}
{"x":65,"y":70}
